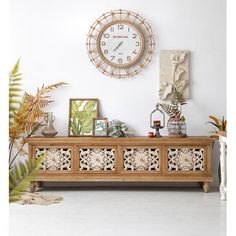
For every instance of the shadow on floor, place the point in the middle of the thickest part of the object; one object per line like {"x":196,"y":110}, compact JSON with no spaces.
{"x":88,"y":186}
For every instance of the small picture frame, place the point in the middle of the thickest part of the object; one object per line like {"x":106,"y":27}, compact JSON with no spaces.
{"x":100,"y":126}
{"x":81,"y":114}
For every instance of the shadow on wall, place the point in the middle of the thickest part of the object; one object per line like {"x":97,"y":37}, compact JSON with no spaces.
{"x":215,"y":163}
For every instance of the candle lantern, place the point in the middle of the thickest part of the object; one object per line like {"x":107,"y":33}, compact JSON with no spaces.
{"x":157,"y":120}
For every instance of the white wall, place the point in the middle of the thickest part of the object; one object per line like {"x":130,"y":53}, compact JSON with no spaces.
{"x":50,"y":38}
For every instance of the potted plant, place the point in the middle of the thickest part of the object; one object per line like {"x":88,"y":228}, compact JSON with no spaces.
{"x":176,"y":124}
{"x":25,"y":119}
{"x":218,"y":125}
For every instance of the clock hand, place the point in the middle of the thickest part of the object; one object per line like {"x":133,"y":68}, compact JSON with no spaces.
{"x":117,"y":46}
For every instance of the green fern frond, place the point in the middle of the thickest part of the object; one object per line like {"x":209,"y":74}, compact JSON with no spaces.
{"x":12,"y":108}
{"x":174,"y":102}
{"x":21,"y":176}
{"x":169,"y":109}
{"x":14,"y":83}
{"x":179,"y":97}
{"x":14,"y":90}
{"x":13,"y":100}
{"x":16,"y":67}
{"x":174,"y":108}
{"x":11,"y":94}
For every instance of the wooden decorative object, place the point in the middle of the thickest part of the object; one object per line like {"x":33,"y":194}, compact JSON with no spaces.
{"x":120,"y":43}
{"x":174,"y":72}
{"x":123,"y":159}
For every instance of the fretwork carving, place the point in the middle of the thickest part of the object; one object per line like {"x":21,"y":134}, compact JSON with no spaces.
{"x":185,"y":159}
{"x":97,"y":159}
{"x":55,"y":158}
{"x":141,"y":159}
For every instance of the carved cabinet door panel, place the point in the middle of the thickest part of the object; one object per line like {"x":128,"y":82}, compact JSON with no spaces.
{"x":97,"y":159}
{"x":56,"y":158}
{"x":186,"y":159}
{"x":141,"y":159}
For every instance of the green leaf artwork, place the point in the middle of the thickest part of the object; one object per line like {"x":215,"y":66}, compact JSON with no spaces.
{"x":82,"y":112}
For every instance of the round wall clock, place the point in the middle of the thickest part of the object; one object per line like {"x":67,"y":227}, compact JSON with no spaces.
{"x":120,"y":43}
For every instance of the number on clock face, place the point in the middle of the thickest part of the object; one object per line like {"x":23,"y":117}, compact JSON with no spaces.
{"x":121,"y":44}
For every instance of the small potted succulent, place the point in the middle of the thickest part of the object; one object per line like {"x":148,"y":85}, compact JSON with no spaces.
{"x":176,"y":124}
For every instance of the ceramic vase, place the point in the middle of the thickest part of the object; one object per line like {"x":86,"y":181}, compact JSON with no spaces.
{"x":49,"y":131}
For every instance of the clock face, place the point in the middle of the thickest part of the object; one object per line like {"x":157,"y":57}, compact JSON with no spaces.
{"x":121,"y":44}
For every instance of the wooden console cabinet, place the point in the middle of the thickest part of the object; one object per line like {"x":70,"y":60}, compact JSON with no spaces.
{"x":123,"y":159}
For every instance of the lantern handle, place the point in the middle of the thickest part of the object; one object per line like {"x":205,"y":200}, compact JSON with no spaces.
{"x":160,"y":110}
{"x":163,"y":114}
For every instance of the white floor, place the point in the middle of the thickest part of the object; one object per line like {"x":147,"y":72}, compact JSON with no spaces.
{"x":123,"y":211}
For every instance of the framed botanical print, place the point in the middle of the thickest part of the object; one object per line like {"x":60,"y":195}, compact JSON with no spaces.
{"x":100,"y":126}
{"x":81,"y":114}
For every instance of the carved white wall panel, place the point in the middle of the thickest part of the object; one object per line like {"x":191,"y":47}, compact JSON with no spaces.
{"x":97,"y":159}
{"x":55,"y":158}
{"x":141,"y":159}
{"x":186,"y":159}
{"x":174,"y":72}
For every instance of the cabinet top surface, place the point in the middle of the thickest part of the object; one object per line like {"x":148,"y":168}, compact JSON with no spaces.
{"x":135,"y":139}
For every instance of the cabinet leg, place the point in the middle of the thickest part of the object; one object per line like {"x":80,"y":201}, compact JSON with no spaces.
{"x":32,"y":186}
{"x":206,"y":187}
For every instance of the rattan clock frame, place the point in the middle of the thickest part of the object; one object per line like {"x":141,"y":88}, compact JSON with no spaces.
{"x":97,"y":57}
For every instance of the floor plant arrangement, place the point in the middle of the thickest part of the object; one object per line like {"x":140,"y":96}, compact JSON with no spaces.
{"x":25,"y":119}
{"x":21,"y":176}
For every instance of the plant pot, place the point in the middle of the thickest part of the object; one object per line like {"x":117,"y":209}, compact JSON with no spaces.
{"x":176,"y":127}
